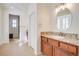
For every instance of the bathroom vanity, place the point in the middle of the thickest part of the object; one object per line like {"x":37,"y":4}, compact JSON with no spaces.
{"x":59,"y":46}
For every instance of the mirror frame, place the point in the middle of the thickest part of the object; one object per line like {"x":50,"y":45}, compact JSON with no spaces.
{"x":66,"y":9}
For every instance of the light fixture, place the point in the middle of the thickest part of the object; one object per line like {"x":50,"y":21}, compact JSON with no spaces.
{"x":61,"y":7}
{"x":57,"y":9}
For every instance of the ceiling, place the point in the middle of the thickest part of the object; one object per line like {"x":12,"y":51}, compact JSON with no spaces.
{"x":19,"y":6}
{"x":24,"y":6}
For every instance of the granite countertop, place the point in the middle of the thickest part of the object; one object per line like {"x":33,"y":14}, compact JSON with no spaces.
{"x":63,"y":39}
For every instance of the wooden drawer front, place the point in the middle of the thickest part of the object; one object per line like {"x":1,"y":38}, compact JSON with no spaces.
{"x":53,"y":42}
{"x":68,"y":47}
{"x":44,"y":39}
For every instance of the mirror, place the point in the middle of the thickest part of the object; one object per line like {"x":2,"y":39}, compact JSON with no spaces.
{"x":63,"y":19}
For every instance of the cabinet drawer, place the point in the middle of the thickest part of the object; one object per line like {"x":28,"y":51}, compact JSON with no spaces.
{"x":44,"y":39}
{"x":68,"y":47}
{"x":53,"y":42}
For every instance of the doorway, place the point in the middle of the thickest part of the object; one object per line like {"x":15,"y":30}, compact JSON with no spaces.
{"x":14,"y":27}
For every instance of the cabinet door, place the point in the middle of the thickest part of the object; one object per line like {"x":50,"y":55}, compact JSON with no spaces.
{"x":47,"y":49}
{"x":69,"y":48}
{"x":42,"y":43}
{"x":42,"y":46}
{"x":61,"y":52}
{"x":58,"y":52}
{"x":78,"y":51}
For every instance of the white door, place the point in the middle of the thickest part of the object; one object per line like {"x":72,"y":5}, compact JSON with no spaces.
{"x":31,"y":31}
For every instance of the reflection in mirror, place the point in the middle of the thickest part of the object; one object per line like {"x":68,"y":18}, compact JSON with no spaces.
{"x":63,"y":19}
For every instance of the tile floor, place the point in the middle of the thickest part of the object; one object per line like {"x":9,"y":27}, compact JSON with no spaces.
{"x":16,"y":48}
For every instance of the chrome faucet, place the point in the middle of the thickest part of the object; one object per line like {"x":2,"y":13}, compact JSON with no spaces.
{"x":61,"y":34}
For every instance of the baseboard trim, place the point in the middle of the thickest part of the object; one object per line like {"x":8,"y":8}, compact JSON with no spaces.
{"x":37,"y":53}
{"x":5,"y":42}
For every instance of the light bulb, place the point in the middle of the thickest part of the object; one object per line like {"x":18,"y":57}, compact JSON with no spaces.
{"x":57,"y":10}
{"x":62,"y":7}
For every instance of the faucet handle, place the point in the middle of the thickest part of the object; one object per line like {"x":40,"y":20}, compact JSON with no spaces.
{"x":61,"y":34}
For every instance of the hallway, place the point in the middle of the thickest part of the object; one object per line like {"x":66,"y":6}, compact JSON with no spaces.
{"x":16,"y":48}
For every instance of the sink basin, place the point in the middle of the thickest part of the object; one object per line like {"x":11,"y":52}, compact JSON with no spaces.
{"x":61,"y":37}
{"x":52,"y":36}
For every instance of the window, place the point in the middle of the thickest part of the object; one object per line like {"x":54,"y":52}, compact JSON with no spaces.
{"x":14,"y":23}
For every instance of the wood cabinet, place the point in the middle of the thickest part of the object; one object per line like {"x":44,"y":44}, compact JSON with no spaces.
{"x":45,"y":47}
{"x":78,"y":51}
{"x":53,"y":42}
{"x":58,"y":52}
{"x":68,"y":47}
{"x":44,"y":39}
{"x":52,"y":47}
{"x":61,"y":52}
{"x":43,"y":42}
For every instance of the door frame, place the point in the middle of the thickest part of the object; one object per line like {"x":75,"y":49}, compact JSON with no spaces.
{"x":18,"y":23}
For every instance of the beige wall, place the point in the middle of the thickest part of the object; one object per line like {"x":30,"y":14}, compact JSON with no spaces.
{"x":44,"y":17}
